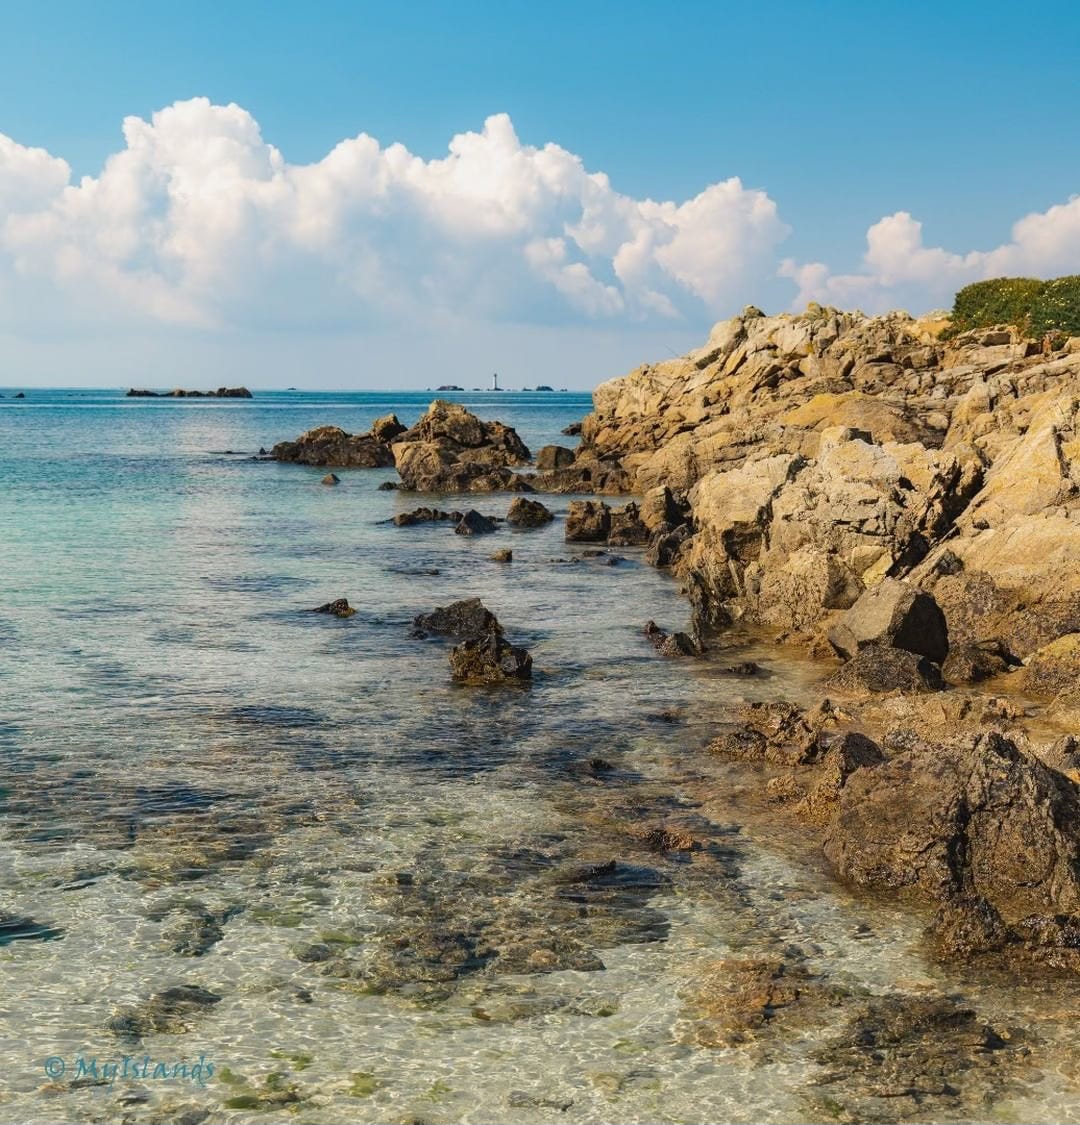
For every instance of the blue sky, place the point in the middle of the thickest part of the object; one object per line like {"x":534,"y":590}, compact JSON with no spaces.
{"x":960,"y":117}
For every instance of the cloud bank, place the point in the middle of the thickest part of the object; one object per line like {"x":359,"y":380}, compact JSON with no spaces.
{"x":199,"y":227}
{"x":199,"y":222}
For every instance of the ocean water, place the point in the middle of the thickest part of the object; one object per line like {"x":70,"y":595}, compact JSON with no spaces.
{"x":395,"y":898}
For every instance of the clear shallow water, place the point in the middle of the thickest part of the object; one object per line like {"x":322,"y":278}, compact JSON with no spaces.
{"x":389,"y":865}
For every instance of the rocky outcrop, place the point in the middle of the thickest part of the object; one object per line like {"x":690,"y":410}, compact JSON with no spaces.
{"x":554,"y":457}
{"x":672,"y":644}
{"x":587,"y":521}
{"x":798,"y":461}
{"x":451,"y":450}
{"x":332,"y":447}
{"x":991,"y":834}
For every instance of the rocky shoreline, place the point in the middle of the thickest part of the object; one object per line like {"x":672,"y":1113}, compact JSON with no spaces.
{"x":904,"y":507}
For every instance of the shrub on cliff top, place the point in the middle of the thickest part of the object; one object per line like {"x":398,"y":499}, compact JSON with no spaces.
{"x":1034,"y":307}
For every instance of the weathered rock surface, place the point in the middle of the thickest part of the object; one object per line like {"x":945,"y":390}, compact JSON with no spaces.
{"x":463,"y":619}
{"x":893,"y":613}
{"x":425,"y":515}
{"x":473,"y":523}
{"x":527,"y":513}
{"x":880,"y":668}
{"x":489,"y":659}
{"x":554,"y":457}
{"x":451,"y":450}
{"x":672,"y":644}
{"x":978,"y":826}
{"x":332,"y":447}
{"x":588,"y":521}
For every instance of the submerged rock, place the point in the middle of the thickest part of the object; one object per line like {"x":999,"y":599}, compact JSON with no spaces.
{"x":425,"y":515}
{"x":165,"y":1013}
{"x":504,"y":554}
{"x":489,"y":659}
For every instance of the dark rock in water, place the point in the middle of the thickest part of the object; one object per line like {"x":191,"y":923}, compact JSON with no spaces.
{"x":18,"y":928}
{"x":626,"y":528}
{"x":19,"y":395}
{"x":588,"y":521}
{"x":504,"y":554}
{"x":387,"y":428}
{"x":425,"y":515}
{"x":331,"y":478}
{"x":970,"y":663}
{"x":328,"y":446}
{"x":339,"y":608}
{"x":528,"y":513}
{"x":572,"y":430}
{"x":451,"y":450}
{"x":388,"y":486}
{"x":747,"y":668}
{"x":463,"y":619}
{"x":489,"y":659}
{"x":880,"y":668}
{"x":897,"y":614}
{"x":671,"y":644}
{"x":554,"y":457}
{"x":977,"y":825}
{"x":473,"y":523}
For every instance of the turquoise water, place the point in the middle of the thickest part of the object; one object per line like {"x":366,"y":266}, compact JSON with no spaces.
{"x":376,"y":874}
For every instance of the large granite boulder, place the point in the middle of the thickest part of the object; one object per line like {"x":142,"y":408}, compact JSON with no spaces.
{"x":554,"y":457}
{"x":893,"y":613}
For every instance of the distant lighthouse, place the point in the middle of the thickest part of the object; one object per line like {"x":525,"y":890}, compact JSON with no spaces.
{"x":495,"y":381}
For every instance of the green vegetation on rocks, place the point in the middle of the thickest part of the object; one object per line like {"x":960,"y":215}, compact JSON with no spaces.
{"x":1032,"y":306}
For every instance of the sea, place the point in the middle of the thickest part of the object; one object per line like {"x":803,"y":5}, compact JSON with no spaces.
{"x":260,"y":864}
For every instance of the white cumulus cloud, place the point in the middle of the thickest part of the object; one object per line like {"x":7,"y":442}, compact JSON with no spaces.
{"x":199,"y":222}
{"x":899,"y":270}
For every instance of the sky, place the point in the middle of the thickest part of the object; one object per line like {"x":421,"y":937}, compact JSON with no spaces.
{"x":369,"y":195}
